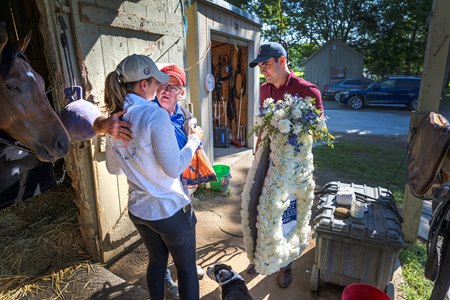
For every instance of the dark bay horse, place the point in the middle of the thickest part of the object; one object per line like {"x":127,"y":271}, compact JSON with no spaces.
{"x":26,"y":114}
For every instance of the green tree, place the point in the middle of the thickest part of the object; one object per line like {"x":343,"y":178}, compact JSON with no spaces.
{"x":391,"y":34}
{"x":396,"y":42}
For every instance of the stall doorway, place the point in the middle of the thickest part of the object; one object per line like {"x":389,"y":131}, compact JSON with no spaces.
{"x":229,"y":98}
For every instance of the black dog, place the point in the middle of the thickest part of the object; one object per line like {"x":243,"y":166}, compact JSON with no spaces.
{"x":232,"y":284}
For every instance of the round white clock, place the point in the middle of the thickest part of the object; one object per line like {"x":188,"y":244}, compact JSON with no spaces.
{"x":210,"y":82}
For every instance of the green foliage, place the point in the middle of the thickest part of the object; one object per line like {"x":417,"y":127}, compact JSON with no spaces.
{"x":391,"y":34}
{"x":365,"y":162}
{"x":412,"y":260}
{"x":396,"y":40}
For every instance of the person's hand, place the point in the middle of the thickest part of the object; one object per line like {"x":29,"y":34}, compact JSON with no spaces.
{"x":113,"y":126}
{"x":198,"y":131}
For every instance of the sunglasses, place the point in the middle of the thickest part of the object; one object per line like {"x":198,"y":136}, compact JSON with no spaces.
{"x":171,"y":88}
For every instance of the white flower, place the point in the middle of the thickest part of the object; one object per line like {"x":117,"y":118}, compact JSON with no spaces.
{"x":259,"y":121}
{"x":285,"y":177}
{"x":297,"y":129}
{"x":321,"y":125}
{"x":280,"y":114}
{"x":284,"y":125}
{"x":297,"y":113}
{"x":268,"y":101}
{"x":301,"y":105}
{"x":287,"y":127}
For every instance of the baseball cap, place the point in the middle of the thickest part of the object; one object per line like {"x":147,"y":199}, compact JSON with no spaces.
{"x":176,"y":74}
{"x":267,"y":51}
{"x":138,"y":67}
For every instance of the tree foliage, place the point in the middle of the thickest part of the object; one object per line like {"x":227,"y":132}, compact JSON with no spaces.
{"x":391,"y":34}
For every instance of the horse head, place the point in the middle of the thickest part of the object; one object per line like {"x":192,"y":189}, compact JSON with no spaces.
{"x":27,"y":114}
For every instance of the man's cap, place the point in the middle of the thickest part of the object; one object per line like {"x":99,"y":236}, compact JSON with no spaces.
{"x":139,"y":67}
{"x":176,"y":74}
{"x":267,"y":51}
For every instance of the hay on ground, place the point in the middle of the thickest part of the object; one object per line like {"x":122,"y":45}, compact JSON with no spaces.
{"x":40,"y":241}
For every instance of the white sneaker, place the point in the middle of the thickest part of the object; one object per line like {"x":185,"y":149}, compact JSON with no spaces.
{"x":200,"y":272}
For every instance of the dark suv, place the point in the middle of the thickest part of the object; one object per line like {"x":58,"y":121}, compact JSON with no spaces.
{"x":394,"y":90}
{"x":332,"y":90}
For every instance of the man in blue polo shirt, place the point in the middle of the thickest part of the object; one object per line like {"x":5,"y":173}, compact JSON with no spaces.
{"x":167,"y":97}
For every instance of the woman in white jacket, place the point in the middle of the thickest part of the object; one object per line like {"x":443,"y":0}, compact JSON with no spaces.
{"x":152,"y":162}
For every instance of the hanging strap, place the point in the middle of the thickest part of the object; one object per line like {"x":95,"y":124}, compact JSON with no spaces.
{"x":73,"y":90}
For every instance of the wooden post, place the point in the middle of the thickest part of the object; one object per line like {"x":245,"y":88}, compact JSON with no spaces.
{"x":433,"y":77}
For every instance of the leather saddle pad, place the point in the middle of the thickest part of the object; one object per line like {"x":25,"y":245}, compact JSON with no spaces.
{"x":429,"y":147}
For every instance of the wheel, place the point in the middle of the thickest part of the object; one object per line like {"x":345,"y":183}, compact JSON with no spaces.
{"x":413,"y":104}
{"x":355,"y":102}
{"x":336,"y":96}
{"x":314,"y":280}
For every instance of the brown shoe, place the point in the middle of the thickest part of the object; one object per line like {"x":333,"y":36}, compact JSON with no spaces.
{"x":284,"y":277}
{"x":251,"y":269}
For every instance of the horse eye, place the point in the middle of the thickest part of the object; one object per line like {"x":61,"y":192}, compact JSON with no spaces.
{"x":12,"y":88}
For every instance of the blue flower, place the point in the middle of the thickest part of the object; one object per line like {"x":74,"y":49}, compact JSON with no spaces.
{"x":294,"y":142}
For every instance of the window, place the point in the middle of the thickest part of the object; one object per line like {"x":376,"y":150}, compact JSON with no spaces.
{"x":387,"y":84}
{"x":409,"y":84}
{"x":353,"y":82}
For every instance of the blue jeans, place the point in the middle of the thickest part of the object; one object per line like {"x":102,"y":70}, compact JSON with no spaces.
{"x":177,"y":236}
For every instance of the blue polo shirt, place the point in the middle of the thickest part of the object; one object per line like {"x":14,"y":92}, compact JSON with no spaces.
{"x":177,"y":119}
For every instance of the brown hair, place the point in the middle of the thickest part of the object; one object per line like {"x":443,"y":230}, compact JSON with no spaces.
{"x":115,"y":91}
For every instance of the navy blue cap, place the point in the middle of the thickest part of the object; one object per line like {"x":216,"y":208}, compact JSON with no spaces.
{"x":267,"y":51}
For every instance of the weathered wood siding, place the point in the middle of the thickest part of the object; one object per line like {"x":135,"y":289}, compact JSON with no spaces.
{"x":333,"y":56}
{"x":218,"y":20}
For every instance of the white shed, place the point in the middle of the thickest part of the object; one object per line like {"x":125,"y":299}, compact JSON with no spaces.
{"x":332,"y":62}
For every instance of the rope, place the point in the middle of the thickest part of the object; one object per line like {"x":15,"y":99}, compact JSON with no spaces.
{"x":204,"y":55}
{"x":220,"y":225}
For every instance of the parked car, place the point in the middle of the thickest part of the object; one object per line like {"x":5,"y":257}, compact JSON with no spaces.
{"x":332,"y":90}
{"x":390,"y":91}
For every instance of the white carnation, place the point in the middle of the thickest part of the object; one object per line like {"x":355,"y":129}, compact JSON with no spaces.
{"x":284,"y":126}
{"x":297,"y":113}
{"x":259,"y":121}
{"x":280,"y":114}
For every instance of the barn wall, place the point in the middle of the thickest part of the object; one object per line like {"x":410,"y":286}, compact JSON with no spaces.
{"x":100,"y":34}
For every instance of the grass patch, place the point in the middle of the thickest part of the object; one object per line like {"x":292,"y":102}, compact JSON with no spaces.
{"x":413,"y":259}
{"x":366,"y":160}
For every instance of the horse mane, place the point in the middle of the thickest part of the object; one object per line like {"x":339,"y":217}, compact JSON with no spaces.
{"x":9,"y":54}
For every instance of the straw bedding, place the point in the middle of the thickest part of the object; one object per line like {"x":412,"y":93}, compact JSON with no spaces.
{"x":40,"y":242}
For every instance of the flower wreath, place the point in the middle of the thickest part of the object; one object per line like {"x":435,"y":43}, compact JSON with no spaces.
{"x":288,"y":127}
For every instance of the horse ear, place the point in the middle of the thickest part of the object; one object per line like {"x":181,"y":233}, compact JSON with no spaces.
{"x":23,"y":43}
{"x":3,"y":36}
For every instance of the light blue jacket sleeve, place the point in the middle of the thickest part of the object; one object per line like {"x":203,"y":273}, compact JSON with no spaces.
{"x":172,"y":160}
